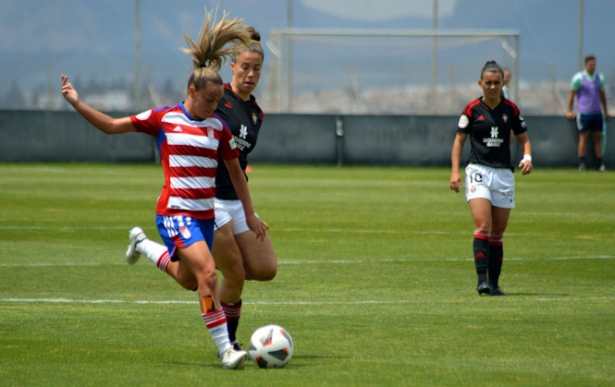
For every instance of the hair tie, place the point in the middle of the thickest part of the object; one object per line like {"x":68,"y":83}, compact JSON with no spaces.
{"x":201,"y":65}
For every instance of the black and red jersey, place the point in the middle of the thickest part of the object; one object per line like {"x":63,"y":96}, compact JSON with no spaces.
{"x":489,"y":131}
{"x":244,"y":119}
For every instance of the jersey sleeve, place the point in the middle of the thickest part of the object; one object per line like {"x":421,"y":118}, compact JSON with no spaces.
{"x":147,"y":122}
{"x":517,"y":122}
{"x":575,"y":83}
{"x":463,"y":126}
{"x":602,"y":83}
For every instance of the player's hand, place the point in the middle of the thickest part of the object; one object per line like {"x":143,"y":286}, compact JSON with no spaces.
{"x":571,"y":115}
{"x":69,"y":92}
{"x":455,"y":182}
{"x":526,"y":166}
{"x":257,"y":226}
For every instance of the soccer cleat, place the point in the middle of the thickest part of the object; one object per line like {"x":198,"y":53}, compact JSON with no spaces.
{"x":233,"y":359}
{"x":483,"y":288}
{"x":237,"y":347}
{"x":582,"y":167}
{"x":602,"y":168}
{"x":497,"y":292}
{"x":136,"y":235}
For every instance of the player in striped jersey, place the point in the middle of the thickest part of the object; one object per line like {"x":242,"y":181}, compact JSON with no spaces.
{"x":191,"y":140}
{"x":237,"y":253}
{"x":488,"y":122}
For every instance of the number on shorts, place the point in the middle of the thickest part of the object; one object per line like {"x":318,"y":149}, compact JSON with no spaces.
{"x":476,"y":178}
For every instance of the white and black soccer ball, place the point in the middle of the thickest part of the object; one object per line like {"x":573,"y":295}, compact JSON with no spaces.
{"x":271,"y":346}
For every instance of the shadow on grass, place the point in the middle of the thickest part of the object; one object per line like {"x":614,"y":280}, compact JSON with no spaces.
{"x":304,"y":360}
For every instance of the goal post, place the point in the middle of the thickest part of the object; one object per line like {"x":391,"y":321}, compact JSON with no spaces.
{"x":329,"y":45}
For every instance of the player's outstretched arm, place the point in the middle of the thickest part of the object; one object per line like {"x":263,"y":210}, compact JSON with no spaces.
{"x":101,"y":121}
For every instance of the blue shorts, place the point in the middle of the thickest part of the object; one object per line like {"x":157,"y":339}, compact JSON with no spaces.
{"x":182,"y":231}
{"x":593,"y":122}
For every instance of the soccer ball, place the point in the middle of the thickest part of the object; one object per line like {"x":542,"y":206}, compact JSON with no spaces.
{"x":271,"y":346}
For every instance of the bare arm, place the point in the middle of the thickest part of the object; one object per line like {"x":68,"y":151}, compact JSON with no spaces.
{"x":241,"y":187}
{"x":604,"y":107}
{"x":570,"y":114}
{"x":526,"y":163}
{"x":101,"y":121}
{"x":455,"y":182}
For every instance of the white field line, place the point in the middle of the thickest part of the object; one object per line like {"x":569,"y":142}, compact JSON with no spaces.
{"x":179,"y":302}
{"x":291,"y":229}
{"x":167,"y":302}
{"x":321,"y":262}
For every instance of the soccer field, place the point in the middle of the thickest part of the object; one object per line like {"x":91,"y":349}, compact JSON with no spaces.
{"x":376,"y":282}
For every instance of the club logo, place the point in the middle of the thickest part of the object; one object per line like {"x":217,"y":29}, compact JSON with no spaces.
{"x":185,"y":232}
{"x":464,"y":121}
{"x":243,"y":131}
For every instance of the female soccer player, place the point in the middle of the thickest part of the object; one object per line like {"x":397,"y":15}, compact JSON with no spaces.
{"x":191,"y":141}
{"x":490,"y":184}
{"x":238,"y":253}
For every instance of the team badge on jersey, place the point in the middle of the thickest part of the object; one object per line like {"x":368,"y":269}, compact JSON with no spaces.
{"x":210,"y":132}
{"x":144,"y":115}
{"x":464,"y":121}
{"x":254,"y":118}
{"x":185,"y":232}
{"x":505,"y":118}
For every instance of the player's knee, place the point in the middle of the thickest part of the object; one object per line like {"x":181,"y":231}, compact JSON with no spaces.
{"x":207,"y":279}
{"x":235,"y":273}
{"x":266,"y":273}
{"x":187,"y":282}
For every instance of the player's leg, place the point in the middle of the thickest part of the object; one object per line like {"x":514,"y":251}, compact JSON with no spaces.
{"x":481,"y":214}
{"x":597,"y":140}
{"x":159,"y":255}
{"x":193,"y":240}
{"x":583,"y":137}
{"x":503,"y":201}
{"x":500,"y":217}
{"x":229,"y":261}
{"x":478,"y":194}
{"x":259,"y":259}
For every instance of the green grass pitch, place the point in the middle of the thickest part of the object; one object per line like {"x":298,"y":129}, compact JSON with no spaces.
{"x":375,"y":282}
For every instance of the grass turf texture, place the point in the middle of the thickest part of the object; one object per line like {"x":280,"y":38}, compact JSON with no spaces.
{"x":375,"y":282}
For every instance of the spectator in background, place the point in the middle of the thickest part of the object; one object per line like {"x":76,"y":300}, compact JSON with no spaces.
{"x":506,"y":94}
{"x":490,"y":185}
{"x":505,"y":88}
{"x":592,"y":111}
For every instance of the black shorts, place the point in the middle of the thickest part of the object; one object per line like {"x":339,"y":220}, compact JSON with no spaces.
{"x":593,"y":122}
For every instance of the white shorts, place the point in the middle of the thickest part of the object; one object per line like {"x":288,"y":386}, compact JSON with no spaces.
{"x":230,"y":210}
{"x":494,"y":184}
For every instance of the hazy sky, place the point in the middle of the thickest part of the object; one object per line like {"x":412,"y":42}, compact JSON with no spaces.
{"x":366,"y":10}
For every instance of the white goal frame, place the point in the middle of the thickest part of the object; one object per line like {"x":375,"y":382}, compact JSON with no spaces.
{"x":280,"y":45}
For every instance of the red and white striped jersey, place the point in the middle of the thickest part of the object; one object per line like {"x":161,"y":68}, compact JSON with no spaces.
{"x":189,"y":151}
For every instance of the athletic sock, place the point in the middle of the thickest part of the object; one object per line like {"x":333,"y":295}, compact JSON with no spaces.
{"x":232,"y":310}
{"x":155,"y":252}
{"x":215,"y":322}
{"x":481,"y":254}
{"x":599,"y":161}
{"x":496,"y":258}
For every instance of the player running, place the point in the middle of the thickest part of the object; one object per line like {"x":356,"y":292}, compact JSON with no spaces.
{"x":238,"y":254}
{"x":192,"y":141}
